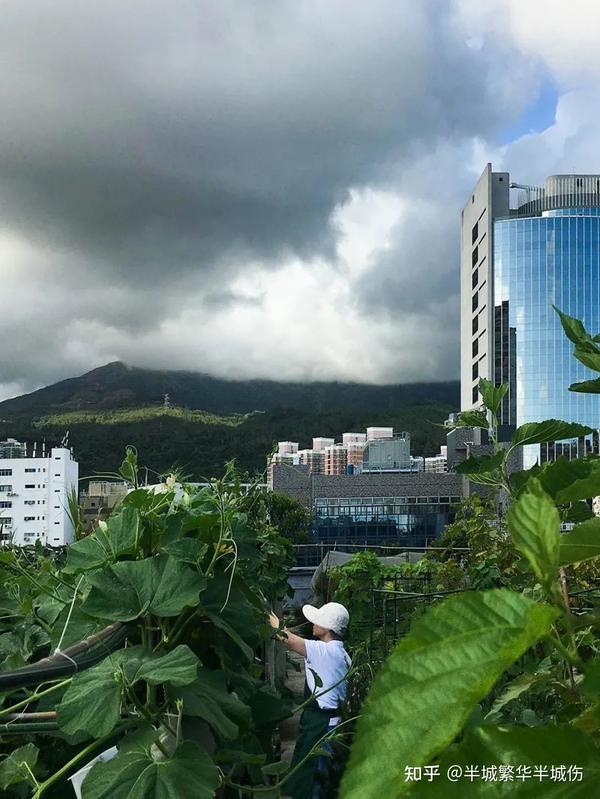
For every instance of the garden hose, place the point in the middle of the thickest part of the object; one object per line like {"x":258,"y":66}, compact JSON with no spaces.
{"x":76,"y":658}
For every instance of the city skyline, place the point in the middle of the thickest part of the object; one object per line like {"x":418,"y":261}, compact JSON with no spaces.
{"x":216,"y":191}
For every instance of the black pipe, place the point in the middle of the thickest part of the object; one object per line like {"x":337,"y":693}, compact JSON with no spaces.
{"x":65,"y":664}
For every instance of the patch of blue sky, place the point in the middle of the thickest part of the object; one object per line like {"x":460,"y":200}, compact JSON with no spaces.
{"x":537,"y":116}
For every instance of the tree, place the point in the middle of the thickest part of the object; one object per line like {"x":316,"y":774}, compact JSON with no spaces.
{"x":290,"y":517}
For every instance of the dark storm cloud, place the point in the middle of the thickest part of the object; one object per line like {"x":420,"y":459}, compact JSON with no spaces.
{"x":158,"y":147}
{"x":157,"y":133}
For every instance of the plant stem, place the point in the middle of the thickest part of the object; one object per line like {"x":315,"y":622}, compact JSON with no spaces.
{"x":150,"y":717}
{"x":33,"y":697}
{"x":271,"y":788}
{"x":43,"y":786}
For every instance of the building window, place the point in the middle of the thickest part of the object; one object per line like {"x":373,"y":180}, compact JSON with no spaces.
{"x":472,"y":198}
{"x":5,"y":504}
{"x":475,"y":278}
{"x":475,"y":394}
{"x":475,"y":301}
{"x":475,"y":371}
{"x":5,"y":472}
{"x":28,"y":518}
{"x":6,"y":520}
{"x":475,"y":256}
{"x":29,"y":485}
{"x":475,"y":346}
{"x":475,"y":323}
{"x":475,"y":233}
{"x":56,"y":522}
{"x":29,"y":471}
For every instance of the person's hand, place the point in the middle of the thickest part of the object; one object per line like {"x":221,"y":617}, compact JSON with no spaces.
{"x":274,"y":621}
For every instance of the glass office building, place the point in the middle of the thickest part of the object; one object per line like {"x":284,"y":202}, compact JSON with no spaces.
{"x":540,"y":262}
{"x":541,"y":247}
{"x":408,"y":521}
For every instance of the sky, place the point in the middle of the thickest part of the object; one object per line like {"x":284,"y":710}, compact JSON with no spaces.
{"x":267,"y":188}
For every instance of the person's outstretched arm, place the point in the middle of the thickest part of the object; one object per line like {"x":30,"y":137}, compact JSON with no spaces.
{"x":291,"y":641}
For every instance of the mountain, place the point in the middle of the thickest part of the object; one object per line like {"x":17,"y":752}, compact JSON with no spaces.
{"x":209,"y":421}
{"x":119,"y":386}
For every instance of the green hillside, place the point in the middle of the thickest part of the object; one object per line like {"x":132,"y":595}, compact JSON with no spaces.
{"x":199,"y":442}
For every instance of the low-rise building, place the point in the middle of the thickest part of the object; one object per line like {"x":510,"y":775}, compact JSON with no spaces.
{"x":35,"y":487}
{"x":387,"y":454}
{"x":394,"y":508}
{"x":100,"y":499}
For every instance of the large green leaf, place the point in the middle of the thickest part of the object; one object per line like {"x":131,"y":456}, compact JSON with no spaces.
{"x":473,"y":419}
{"x":117,"y":536}
{"x":230,"y":610}
{"x":18,"y":765}
{"x":129,"y":589}
{"x":582,"y":543}
{"x":588,"y":353}
{"x":208,"y":699}
{"x":177,"y":668}
{"x":92,"y":703}
{"x":534,"y":524}
{"x":550,"y":430}
{"x":586,"y":386}
{"x":484,"y":470}
{"x":426,"y":689}
{"x":79,"y":626}
{"x":529,"y":751}
{"x":571,"y":480}
{"x":573,"y":328}
{"x":492,"y":396}
{"x":137,"y":773}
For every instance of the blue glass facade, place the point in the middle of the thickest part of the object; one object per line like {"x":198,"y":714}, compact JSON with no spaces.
{"x":540,"y":261}
{"x":411,"y":521}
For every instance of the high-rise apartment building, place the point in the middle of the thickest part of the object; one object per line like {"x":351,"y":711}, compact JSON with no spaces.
{"x":34,"y":495}
{"x":355,"y":444}
{"x":336,"y":459}
{"x":314,"y":459}
{"x":524,"y":249}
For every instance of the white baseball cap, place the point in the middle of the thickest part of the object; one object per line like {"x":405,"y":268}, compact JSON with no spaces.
{"x":331,"y":616}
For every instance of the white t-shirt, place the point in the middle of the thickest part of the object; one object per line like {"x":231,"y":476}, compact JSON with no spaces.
{"x":331,"y":662}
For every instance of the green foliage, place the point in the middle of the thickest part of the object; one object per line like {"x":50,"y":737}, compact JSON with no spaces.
{"x":432,"y":680}
{"x":200,"y":443}
{"x":192,"y":574}
{"x":527,"y":748}
{"x":434,"y":700}
{"x":141,"y":771}
{"x":550,"y":430}
{"x":583,"y":543}
{"x":129,"y":589}
{"x":484,"y":470}
{"x":290,"y":517}
{"x":18,"y":766}
{"x":534,"y":524}
{"x":492,"y":397}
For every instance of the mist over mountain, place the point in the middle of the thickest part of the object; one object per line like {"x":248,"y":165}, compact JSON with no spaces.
{"x":196,"y":423}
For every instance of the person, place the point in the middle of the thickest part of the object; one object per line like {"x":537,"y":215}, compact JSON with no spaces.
{"x":327,"y":658}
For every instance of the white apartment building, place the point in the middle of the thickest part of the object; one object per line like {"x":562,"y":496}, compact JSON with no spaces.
{"x":34,"y":495}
